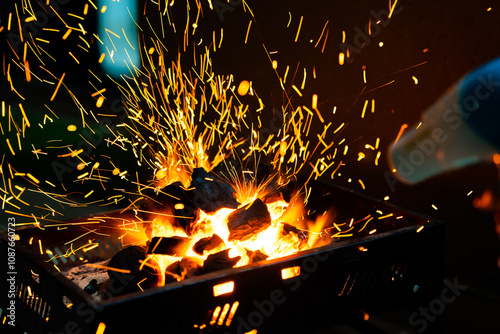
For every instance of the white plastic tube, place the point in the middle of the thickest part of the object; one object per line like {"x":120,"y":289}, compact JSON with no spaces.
{"x":461,"y":128}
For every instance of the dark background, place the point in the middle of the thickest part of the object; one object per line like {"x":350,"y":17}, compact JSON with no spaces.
{"x":457,"y":36}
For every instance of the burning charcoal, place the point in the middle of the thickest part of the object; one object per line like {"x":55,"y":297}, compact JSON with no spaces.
{"x":256,"y":256}
{"x":210,"y":194}
{"x":181,"y":202}
{"x":248,"y":221}
{"x":92,"y":287}
{"x":150,"y":204}
{"x":174,"y":202}
{"x":287,"y":229}
{"x":168,"y":246}
{"x":188,"y":267}
{"x":129,"y":259}
{"x":219,"y":261}
{"x":172,"y":272}
{"x":185,"y":268}
{"x":207,"y":244}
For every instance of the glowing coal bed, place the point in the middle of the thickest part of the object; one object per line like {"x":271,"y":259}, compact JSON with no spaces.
{"x":361,"y":258}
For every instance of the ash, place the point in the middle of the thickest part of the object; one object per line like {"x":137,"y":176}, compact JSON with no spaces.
{"x":90,"y":279}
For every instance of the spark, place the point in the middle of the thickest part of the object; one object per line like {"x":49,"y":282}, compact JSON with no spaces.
{"x":322,"y":32}
{"x":49,"y":183}
{"x":386,"y":216}
{"x":248,"y":31}
{"x":93,"y":265}
{"x":99,"y":101}
{"x":314,"y":101}
{"x":10,"y":147}
{"x":57,"y":87}
{"x":325,"y":40}
{"x":298,"y":29}
{"x":400,"y":133}
{"x":55,"y":12}
{"x":71,"y":54}
{"x":126,"y":38}
{"x":99,"y":92}
{"x":366,"y":223}
{"x":339,"y":128}
{"x":34,"y":179}
{"x":76,"y":16}
{"x":303,"y":85}
{"x":377,"y":157}
{"x":364,"y":109}
{"x":19,"y":25}
{"x":243,"y":88}
{"x":42,"y":40}
{"x":89,"y":248}
{"x":392,"y":8}
{"x":27,"y":71}
{"x":9,"y":21}
{"x":341,"y":58}
{"x":297,"y":90}
{"x":25,"y":118}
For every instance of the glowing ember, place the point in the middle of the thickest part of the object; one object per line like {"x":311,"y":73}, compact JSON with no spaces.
{"x":276,"y":240}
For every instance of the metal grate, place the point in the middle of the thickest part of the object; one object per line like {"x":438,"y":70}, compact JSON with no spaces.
{"x":33,"y":300}
{"x":373,"y":278}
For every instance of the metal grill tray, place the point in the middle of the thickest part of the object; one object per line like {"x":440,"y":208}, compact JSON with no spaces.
{"x":338,"y":283}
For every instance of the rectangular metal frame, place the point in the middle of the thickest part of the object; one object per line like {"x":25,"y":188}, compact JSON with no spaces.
{"x":338,"y":283}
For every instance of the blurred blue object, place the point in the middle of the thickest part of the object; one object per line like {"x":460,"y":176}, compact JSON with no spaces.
{"x":118,"y":32}
{"x":460,"y":129}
